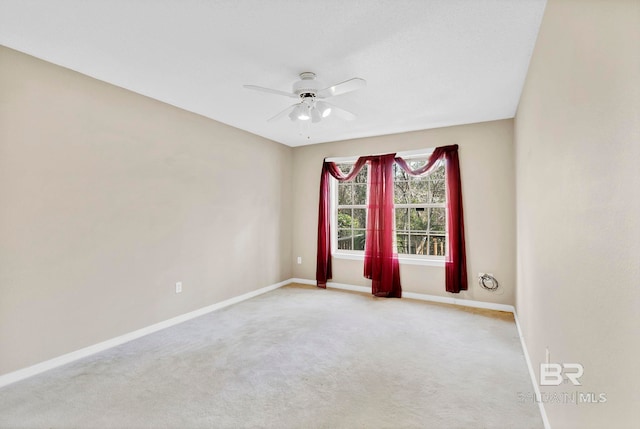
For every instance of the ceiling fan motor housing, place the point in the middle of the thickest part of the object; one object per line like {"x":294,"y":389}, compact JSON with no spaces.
{"x":307,"y":86}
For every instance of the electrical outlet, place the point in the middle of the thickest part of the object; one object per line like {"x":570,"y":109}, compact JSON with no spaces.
{"x":178,"y":287}
{"x":299,"y":259}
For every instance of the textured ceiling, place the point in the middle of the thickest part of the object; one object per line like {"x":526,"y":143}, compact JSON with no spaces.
{"x":427,"y":63}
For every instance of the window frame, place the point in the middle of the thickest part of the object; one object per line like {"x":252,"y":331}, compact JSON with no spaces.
{"x":358,"y":255}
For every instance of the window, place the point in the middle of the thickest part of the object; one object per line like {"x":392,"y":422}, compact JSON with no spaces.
{"x":352,"y":210}
{"x":419,"y":211}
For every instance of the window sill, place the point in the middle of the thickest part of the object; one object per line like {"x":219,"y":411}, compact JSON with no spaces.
{"x":402,"y":259}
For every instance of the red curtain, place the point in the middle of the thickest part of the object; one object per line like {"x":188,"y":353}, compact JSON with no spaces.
{"x":380,"y":257}
{"x":381,"y":260}
{"x":323,"y":258}
{"x":456,"y":261}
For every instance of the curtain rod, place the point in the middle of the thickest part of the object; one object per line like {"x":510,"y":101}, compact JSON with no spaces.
{"x":404,"y":154}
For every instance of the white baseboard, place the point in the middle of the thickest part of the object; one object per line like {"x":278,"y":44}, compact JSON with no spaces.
{"x":30,"y":371}
{"x":532,"y":374}
{"x":418,"y":296}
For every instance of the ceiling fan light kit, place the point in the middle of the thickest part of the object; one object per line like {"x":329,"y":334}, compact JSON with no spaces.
{"x":311,"y":95}
{"x":301,"y":112}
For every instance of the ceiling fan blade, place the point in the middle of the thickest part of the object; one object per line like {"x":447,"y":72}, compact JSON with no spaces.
{"x":270,"y":91}
{"x":283,"y":113}
{"x":342,"y":87}
{"x":342,"y":113}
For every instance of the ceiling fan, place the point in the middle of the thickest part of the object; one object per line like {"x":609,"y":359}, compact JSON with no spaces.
{"x":311,"y":95}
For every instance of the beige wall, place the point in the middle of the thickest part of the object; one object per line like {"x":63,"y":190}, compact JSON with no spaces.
{"x":108,"y":198}
{"x":487,"y":170}
{"x":577,"y":139}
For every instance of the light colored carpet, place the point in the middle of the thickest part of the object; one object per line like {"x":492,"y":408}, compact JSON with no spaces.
{"x":297,"y":357}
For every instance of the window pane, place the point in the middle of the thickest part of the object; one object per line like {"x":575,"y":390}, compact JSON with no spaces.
{"x":345,"y":168}
{"x":418,"y":219}
{"x":437,"y":245}
{"x":344,"y":233}
{"x":402,"y":219}
{"x":417,"y":163}
{"x":345,"y":218}
{"x":437,"y":173}
{"x":420,"y":191}
{"x":396,"y":170}
{"x":345,"y":239}
{"x":359,"y":218}
{"x":362,"y":176}
{"x":359,"y":193}
{"x":437,"y":191}
{"x":344,"y":193}
{"x":345,"y":243}
{"x":401,"y":193}
{"x":399,"y":173}
{"x":402,"y":241}
{"x":358,"y":239}
{"x":438,"y":219}
{"x":418,"y":244}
